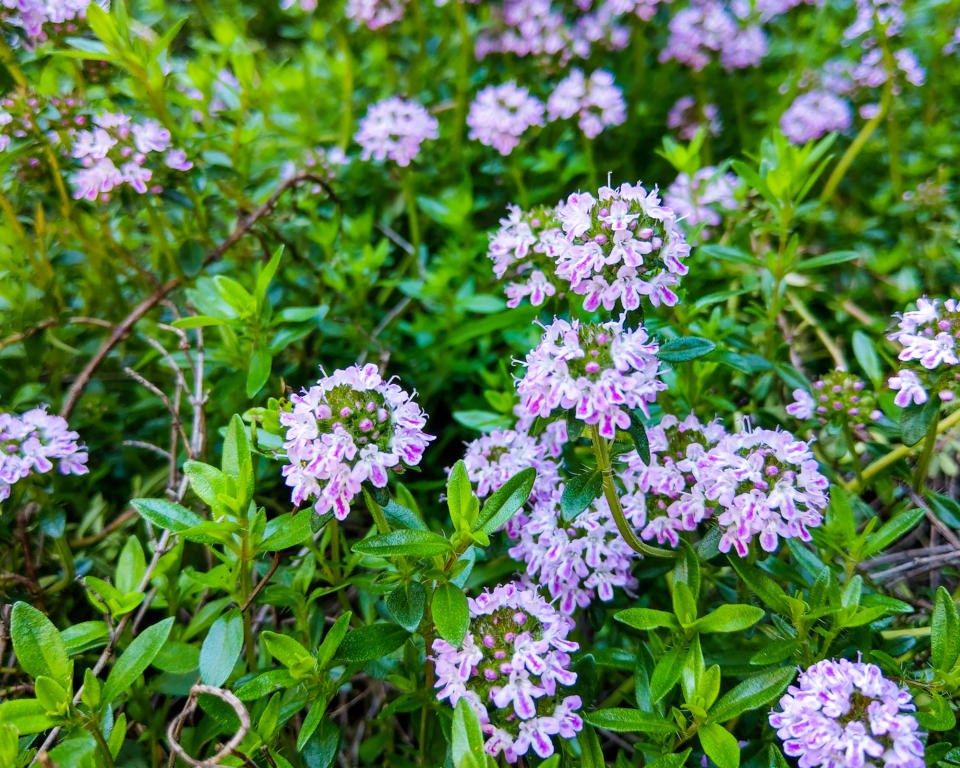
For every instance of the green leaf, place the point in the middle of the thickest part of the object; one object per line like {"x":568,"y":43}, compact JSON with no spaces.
{"x":685,"y":348}
{"x":946,"y":508}
{"x":944,"y":632}
{"x":865,"y":351}
{"x":287,"y":531}
{"x":39,"y":647}
{"x":579,"y":493}
{"x":665,"y":674}
{"x":221,"y":649}
{"x":236,"y":460}
{"x":259,"y":370}
{"x":623,"y":720}
{"x":131,"y":566}
{"x":450,"y":613}
{"x":289,"y":652}
{"x":134,"y":661}
{"x":753,"y":693}
{"x":197,"y":321}
{"x":763,"y":586}
{"x":720,"y":745}
{"x":267,"y":274}
{"x":373,"y":641}
{"x":729,"y":618}
{"x":333,"y":638}
{"x":26,"y":715}
{"x":892,"y":530}
{"x":85,"y":636}
{"x":311,"y":722}
{"x":206,"y":481}
{"x":917,"y":420}
{"x":639,"y":434}
{"x":167,"y":515}
{"x":461,"y":502}
{"x":591,"y":753}
{"x":466,"y":738}
{"x":727,"y":253}
{"x":404,"y":542}
{"x":827,"y":259}
{"x":407,"y":603}
{"x":937,"y":715}
{"x":506,"y":500}
{"x":647,"y":618}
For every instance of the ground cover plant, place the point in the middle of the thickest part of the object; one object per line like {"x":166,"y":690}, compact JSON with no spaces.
{"x":527,"y":382}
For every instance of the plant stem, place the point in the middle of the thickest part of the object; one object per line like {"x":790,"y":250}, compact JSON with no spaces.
{"x":517,"y":174}
{"x":410,"y":198}
{"x":602,"y":453}
{"x":101,"y":743}
{"x":463,"y":74}
{"x":920,"y":473}
{"x":851,"y":445}
{"x":379,"y":518}
{"x":246,"y":585}
{"x":428,"y":684}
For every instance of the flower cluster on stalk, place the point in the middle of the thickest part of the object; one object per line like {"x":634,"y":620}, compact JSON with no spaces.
{"x":814,"y":114}
{"x":31,"y":442}
{"x":686,"y":117}
{"x":40,"y":18}
{"x":846,"y":713}
{"x":707,"y":28}
{"x":501,"y":114}
{"x":839,"y":398}
{"x":350,"y":427}
{"x":394,"y":129}
{"x":511,"y":669}
{"x":596,"y":101}
{"x":702,"y":199}
{"x":928,"y":339}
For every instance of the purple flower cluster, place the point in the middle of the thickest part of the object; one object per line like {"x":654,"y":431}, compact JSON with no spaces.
{"x":394,"y":128}
{"x":537,"y":28}
{"x":597,"y":371}
{"x":501,"y":114}
{"x":766,"y":484}
{"x":32,"y":15}
{"x":706,"y":28}
{"x":31,"y":117}
{"x":662,"y":499}
{"x":685,"y":117}
{"x":954,"y":45}
{"x":31,"y":442}
{"x":322,"y":161}
{"x":813,"y":114}
{"x":621,"y":246}
{"x":839,"y":398}
{"x":846,"y":713}
{"x":510,"y":668}
{"x":703,"y":199}
{"x":596,"y":101}
{"x":494,"y":458}
{"x":349,"y":427}
{"x":525,"y":247}
{"x":114,"y":151}
{"x":928,"y":338}
{"x":375,"y":14}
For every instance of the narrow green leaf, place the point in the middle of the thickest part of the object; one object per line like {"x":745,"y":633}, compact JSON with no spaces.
{"x":333,"y":638}
{"x":917,"y":420}
{"x":685,"y":348}
{"x":865,"y":350}
{"x":407,"y":603}
{"x":39,"y":647}
{"x":892,"y":530}
{"x":466,"y":738}
{"x":221,"y":649}
{"x":579,"y":493}
{"x":450,"y":613}
{"x":134,"y":661}
{"x":371,"y":642}
{"x":506,"y":500}
{"x":729,"y":618}
{"x":944,"y":632}
{"x":751,"y":694}
{"x":259,"y":370}
{"x":647,"y":618}
{"x":404,"y":543}
{"x":623,"y":720}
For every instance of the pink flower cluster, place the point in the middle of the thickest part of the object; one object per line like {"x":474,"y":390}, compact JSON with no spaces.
{"x":322,"y":161}
{"x":597,"y":371}
{"x":706,"y":28}
{"x":31,"y":442}
{"x":525,"y":246}
{"x":839,"y":398}
{"x":766,"y":484}
{"x":813,"y":114}
{"x":501,"y":114}
{"x":114,"y":151}
{"x":703,"y":199}
{"x":928,"y":338}
{"x":846,"y":713}
{"x":510,"y":668}
{"x":494,"y":458}
{"x":374,"y":14}
{"x":395,"y":129}
{"x":32,"y":15}
{"x":27,"y":115}
{"x":350,"y":427}
{"x":596,"y":102}
{"x":621,"y":246}
{"x":685,"y":117}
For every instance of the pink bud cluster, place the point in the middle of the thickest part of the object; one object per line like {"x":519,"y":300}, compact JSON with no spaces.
{"x":31,"y":442}
{"x":928,"y":339}
{"x":838,"y":398}
{"x":599,"y":372}
{"x":350,"y":427}
{"x":394,"y":129}
{"x":114,"y":151}
{"x":846,"y":713}
{"x":510,"y":668}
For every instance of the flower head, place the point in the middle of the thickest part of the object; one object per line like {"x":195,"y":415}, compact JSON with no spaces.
{"x":597,"y":102}
{"x":703,"y":198}
{"x":929,"y":350}
{"x":685,"y":117}
{"x":501,"y":114}
{"x":597,"y":371}
{"x":351,"y":426}
{"x":395,"y":129}
{"x":845,"y":713}
{"x":814,"y":114}
{"x":511,"y":668}
{"x":523,"y":248}
{"x":375,"y":14}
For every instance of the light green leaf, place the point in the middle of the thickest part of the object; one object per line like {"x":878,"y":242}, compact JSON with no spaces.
{"x":37,"y":643}
{"x":450,"y":613}
{"x":134,"y":661}
{"x":221,"y":649}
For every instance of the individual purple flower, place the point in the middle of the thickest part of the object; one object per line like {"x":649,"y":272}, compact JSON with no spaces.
{"x":30,"y":444}
{"x":803,"y":406}
{"x":814,"y":114}
{"x":523,"y":249}
{"x":685,"y":117}
{"x":765,"y":484}
{"x":702,"y":199}
{"x":511,"y":668}
{"x":622,"y":245}
{"x":597,"y":102}
{"x":350,"y":427}
{"x":501,"y":114}
{"x":599,"y":372}
{"x":375,"y":13}
{"x":150,"y":136}
{"x":928,"y":337}
{"x":394,"y":128}
{"x":846,"y":713}
{"x":177,"y":159}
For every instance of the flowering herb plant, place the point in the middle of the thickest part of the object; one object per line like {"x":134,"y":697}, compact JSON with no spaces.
{"x":549,"y":383}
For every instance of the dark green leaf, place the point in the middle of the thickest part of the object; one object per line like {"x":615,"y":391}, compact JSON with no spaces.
{"x":623,"y":720}
{"x":685,"y":348}
{"x":371,"y":642}
{"x":404,"y":542}
{"x":37,"y":643}
{"x":753,"y":693}
{"x":221,"y":649}
{"x":134,"y":661}
{"x":506,"y":500}
{"x":579,"y":493}
{"x":450,"y":613}
{"x":917,"y":420}
{"x":407,"y":603}
{"x":892,"y":530}
{"x":944,"y":632}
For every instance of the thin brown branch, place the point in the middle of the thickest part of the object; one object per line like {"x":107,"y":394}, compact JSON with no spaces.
{"x":227,"y":749}
{"x":262,"y":583}
{"x":113,"y":525}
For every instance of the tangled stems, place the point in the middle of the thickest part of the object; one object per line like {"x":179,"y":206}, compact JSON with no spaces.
{"x":601,"y":451}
